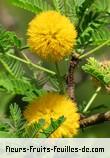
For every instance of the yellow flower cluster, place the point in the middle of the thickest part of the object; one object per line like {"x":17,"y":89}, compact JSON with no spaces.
{"x":53,"y":105}
{"x":51,"y":36}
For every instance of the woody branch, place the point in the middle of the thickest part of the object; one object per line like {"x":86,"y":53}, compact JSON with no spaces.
{"x":95,"y":119}
{"x":84,"y":121}
{"x":70,"y":78}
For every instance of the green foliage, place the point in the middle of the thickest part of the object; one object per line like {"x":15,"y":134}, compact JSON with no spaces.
{"x":34,"y":6}
{"x":59,"y":5}
{"x":18,"y":127}
{"x":12,"y":66}
{"x":32,"y":130}
{"x":102,"y":6}
{"x":92,"y":20}
{"x":78,"y":3}
{"x":12,"y":127}
{"x":55,"y":124}
{"x":8,"y":41}
{"x":17,"y":86}
{"x":92,"y":25}
{"x":16,"y":119}
{"x":97,"y":70}
{"x":100,"y":35}
{"x":13,"y":77}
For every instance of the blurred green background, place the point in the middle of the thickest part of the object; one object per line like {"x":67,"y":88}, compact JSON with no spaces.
{"x":16,"y":19}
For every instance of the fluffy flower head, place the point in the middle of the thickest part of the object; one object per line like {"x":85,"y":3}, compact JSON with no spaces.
{"x":54,"y":105}
{"x":51,"y":35}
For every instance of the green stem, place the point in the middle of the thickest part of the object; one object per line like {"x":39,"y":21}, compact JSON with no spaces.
{"x":92,"y":99}
{"x":94,"y":50}
{"x":59,"y":79}
{"x":32,"y":64}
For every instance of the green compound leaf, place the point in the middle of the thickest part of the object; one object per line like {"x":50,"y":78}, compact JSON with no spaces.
{"x":14,"y":85}
{"x":79,"y":3}
{"x":92,"y":24}
{"x":102,"y":5}
{"x":55,"y":124}
{"x":59,"y":5}
{"x":100,"y":35}
{"x":12,"y":66}
{"x":19,"y":86}
{"x":97,"y":70}
{"x":16,"y":116}
{"x":8,"y":40}
{"x":32,"y":130}
{"x":34,"y":6}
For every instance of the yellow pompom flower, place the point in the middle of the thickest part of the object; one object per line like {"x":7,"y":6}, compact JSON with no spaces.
{"x":53,"y":105}
{"x":51,"y":35}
